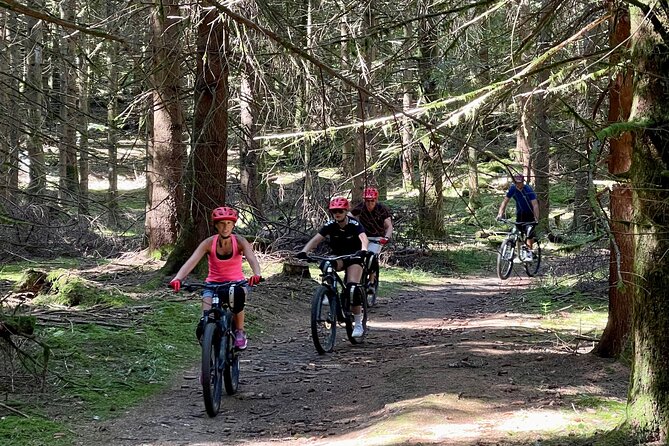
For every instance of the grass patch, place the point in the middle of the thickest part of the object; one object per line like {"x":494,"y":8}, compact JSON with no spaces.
{"x":566,"y":310}
{"x":107,"y":369}
{"x":34,"y":431}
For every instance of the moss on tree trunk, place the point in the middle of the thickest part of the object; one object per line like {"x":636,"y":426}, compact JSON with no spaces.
{"x":648,"y":400}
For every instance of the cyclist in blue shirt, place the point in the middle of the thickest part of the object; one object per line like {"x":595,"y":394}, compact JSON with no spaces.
{"x":527,"y":209}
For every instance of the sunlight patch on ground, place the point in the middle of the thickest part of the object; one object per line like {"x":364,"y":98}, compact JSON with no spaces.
{"x":445,"y":419}
{"x":441,"y":324}
{"x":124,"y":183}
{"x":533,"y":421}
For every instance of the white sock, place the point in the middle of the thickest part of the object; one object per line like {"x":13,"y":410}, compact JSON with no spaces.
{"x":357,"y":318}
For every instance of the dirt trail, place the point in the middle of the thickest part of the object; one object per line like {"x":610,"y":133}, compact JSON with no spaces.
{"x":443,"y":364}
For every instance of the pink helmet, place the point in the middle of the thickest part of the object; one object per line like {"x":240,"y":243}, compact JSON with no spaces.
{"x":371,"y":193}
{"x":338,"y":203}
{"x":223,"y":213}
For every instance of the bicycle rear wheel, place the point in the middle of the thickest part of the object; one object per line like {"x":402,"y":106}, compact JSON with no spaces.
{"x":323,"y":320}
{"x":231,"y":366}
{"x":372,"y":289}
{"x":211,"y":373}
{"x":505,"y":258}
{"x":350,"y":320}
{"x":531,"y":268}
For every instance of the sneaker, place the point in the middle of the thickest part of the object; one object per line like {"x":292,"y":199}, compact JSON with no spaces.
{"x":528,"y":256}
{"x":240,"y":340}
{"x":358,"y":331}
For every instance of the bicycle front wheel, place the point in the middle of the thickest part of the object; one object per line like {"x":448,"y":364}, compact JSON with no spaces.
{"x":323,"y":320}
{"x":231,"y":367}
{"x":211,"y":374}
{"x":531,"y":268}
{"x":505,"y":258}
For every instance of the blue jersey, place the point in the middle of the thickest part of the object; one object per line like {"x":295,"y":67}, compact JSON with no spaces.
{"x":523,"y":198}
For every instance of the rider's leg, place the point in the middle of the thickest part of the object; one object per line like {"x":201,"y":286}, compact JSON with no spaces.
{"x":353,"y":275}
{"x":238,"y":320}
{"x":531,"y":235}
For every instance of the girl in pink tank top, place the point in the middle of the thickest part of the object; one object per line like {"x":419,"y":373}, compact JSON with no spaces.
{"x":224,"y":251}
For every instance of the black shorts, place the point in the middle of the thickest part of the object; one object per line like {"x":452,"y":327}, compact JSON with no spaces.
{"x":527,"y":228}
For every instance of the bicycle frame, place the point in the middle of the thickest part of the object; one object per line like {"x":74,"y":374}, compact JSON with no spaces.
{"x":513,"y":244}
{"x":220,"y":308}
{"x":220,"y":359}
{"x":331,"y":305}
{"x":330,"y":278}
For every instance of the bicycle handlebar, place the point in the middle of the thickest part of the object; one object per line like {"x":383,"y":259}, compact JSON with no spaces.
{"x":318,"y":258}
{"x":194,"y":286}
{"x":511,"y":222}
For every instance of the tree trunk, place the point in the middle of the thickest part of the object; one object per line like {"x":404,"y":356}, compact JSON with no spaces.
{"x":310,"y":209}
{"x":82,"y":122}
{"x":648,"y":399}
{"x":35,"y":103}
{"x":6,"y":125}
{"x":524,"y":133}
{"x":68,"y":168}
{"x":349,"y":140}
{"x":621,"y":263}
{"x":430,"y":214}
{"x":540,"y":156}
{"x":249,"y":155}
{"x":166,"y":150}
{"x":408,"y":182}
{"x":208,"y":163}
{"x":407,"y":155}
{"x":364,"y":152}
{"x":112,"y":132}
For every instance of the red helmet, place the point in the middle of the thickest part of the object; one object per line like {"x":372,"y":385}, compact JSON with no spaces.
{"x":338,"y":203}
{"x":371,"y":193}
{"x":223,"y":213}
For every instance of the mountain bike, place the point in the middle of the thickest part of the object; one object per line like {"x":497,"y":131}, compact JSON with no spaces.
{"x":372,"y":289}
{"x":514,"y":245}
{"x":220,"y":358}
{"x":329,"y":306}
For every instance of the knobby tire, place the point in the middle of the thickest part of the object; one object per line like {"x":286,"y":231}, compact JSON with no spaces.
{"x":372,"y":290}
{"x":211,"y":373}
{"x":531,"y":268}
{"x":505,"y":257}
{"x":323,"y":320}
{"x":231,"y":367}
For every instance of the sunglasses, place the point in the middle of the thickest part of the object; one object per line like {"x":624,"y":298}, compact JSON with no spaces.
{"x":337,"y":211}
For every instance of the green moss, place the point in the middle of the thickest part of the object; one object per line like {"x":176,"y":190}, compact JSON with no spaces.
{"x":67,"y":288}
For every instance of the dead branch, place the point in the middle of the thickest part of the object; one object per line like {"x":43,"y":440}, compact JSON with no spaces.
{"x":16,"y":411}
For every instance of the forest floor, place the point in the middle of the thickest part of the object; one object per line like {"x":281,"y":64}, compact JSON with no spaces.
{"x":452,"y":363}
